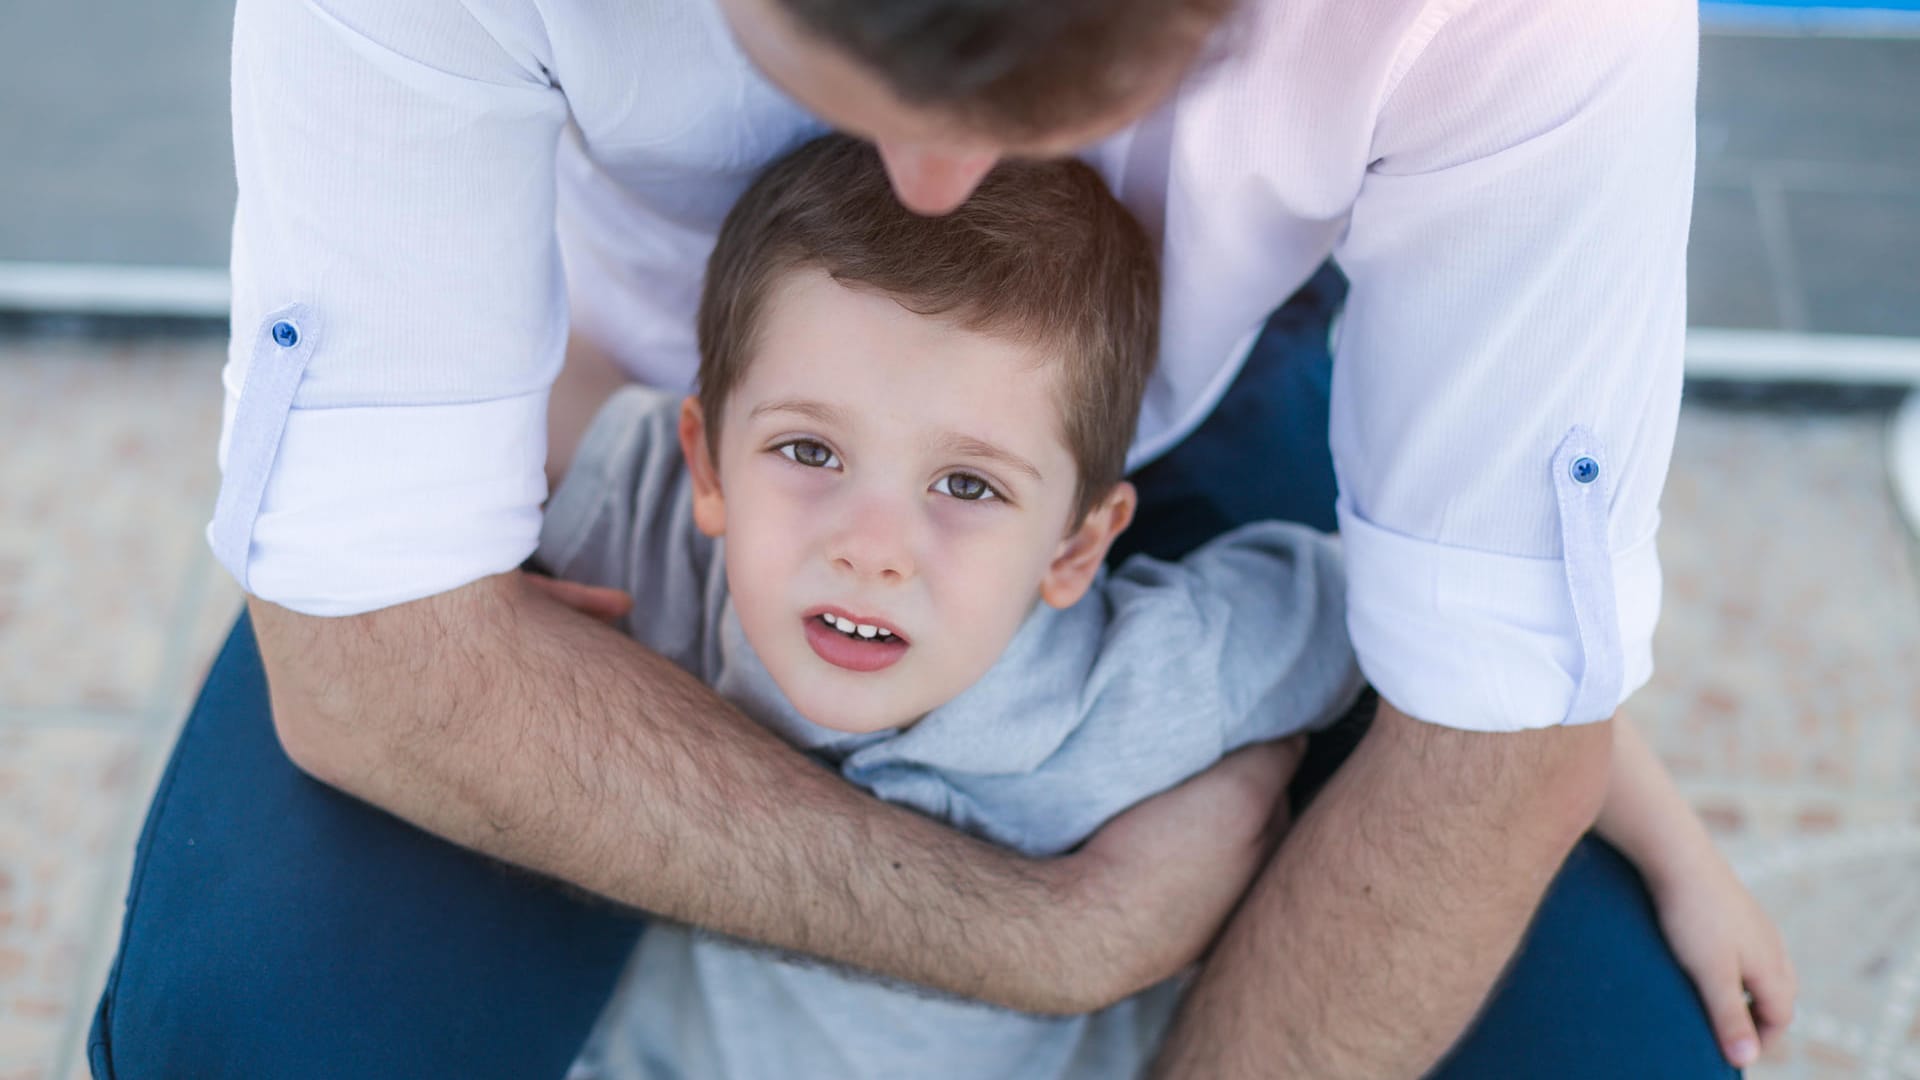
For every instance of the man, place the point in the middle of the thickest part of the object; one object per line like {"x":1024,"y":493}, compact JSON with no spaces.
{"x":1507,"y":184}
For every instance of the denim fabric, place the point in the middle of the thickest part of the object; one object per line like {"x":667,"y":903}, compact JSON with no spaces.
{"x":277,"y":928}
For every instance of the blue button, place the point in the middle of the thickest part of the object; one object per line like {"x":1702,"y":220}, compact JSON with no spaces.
{"x":285,"y":334}
{"x":1585,"y":470}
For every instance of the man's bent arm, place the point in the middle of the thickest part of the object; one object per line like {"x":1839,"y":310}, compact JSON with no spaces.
{"x":500,"y":719}
{"x":1374,"y":936}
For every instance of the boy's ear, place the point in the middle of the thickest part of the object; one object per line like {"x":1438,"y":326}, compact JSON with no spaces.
{"x":709,"y":509}
{"x":1081,"y":553}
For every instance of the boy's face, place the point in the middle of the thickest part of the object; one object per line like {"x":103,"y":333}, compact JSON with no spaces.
{"x":889,"y":470}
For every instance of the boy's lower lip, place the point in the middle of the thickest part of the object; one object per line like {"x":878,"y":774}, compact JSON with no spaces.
{"x":854,"y":654}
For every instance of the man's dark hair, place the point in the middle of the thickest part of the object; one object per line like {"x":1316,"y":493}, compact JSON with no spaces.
{"x":1041,"y":253}
{"x":1018,"y":67}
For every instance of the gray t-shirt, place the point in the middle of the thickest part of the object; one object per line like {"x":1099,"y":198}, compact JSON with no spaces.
{"x":1158,"y":672}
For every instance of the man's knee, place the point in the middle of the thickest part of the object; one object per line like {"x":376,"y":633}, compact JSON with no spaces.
{"x":278,"y":928}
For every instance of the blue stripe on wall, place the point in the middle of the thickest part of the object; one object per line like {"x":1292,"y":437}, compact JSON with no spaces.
{"x":1900,"y":17}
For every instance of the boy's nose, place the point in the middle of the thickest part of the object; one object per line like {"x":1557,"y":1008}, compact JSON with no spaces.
{"x":875,"y":544}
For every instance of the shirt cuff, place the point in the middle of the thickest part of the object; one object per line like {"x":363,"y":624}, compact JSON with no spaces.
{"x":354,"y":509}
{"x":1483,"y":641}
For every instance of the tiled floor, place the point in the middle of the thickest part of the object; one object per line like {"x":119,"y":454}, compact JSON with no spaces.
{"x":1788,"y":698}
{"x":110,"y":607}
{"x":1788,"y":704}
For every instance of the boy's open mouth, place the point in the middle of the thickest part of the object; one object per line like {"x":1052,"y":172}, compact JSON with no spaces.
{"x":856,"y":646}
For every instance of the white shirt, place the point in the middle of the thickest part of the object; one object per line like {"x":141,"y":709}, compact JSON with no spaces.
{"x":1507,"y":184}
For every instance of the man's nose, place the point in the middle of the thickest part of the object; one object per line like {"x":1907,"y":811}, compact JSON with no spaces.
{"x":934,"y":182}
{"x":875,"y":542}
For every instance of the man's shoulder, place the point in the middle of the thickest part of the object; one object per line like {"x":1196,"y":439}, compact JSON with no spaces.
{"x":1362,"y":51}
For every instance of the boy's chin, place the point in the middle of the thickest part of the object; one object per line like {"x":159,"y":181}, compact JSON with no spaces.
{"x":835,"y":709}
{"x":852,"y":723}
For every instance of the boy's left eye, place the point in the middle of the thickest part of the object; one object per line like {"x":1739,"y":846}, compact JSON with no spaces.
{"x":965,"y":486}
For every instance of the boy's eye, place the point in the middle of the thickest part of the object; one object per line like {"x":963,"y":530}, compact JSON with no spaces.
{"x":810,"y":453}
{"x":965,"y":486}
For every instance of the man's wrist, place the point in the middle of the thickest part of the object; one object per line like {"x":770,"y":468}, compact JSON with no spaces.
{"x":1086,"y":928}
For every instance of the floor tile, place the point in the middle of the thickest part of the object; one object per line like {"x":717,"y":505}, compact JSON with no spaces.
{"x":107,"y":483}
{"x":65,"y":844}
{"x":1788,"y":652}
{"x":1851,"y":915}
{"x":1787,"y":704}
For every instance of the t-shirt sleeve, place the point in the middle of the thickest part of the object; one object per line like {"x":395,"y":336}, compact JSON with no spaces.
{"x":398,"y":305}
{"x":1264,"y":634}
{"x":623,"y":518}
{"x":1143,"y":684}
{"x":1508,"y":368}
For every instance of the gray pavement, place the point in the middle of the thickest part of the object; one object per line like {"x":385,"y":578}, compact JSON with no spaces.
{"x":1808,"y":208}
{"x":114,"y":132}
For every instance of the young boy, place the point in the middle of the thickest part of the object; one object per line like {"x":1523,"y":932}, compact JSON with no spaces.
{"x":911,"y":433}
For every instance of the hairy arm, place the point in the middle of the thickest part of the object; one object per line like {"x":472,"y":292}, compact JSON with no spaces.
{"x":500,"y":719}
{"x":1373,"y":937}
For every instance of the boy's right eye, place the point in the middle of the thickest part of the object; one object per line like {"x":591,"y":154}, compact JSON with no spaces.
{"x":809,"y":453}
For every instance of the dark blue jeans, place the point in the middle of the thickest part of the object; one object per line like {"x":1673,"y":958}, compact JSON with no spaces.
{"x":275,"y":928}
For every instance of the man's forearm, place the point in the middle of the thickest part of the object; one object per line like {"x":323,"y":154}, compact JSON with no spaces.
{"x":1370,"y":942}
{"x":550,"y":741}
{"x":504,"y":721}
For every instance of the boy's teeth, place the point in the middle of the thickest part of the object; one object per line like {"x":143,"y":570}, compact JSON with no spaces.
{"x":851,"y":628}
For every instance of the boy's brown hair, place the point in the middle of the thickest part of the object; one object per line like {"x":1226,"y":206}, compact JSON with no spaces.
{"x":1041,"y":253}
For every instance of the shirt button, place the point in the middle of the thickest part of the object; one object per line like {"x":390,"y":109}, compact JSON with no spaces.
{"x":1585,"y":470}
{"x":285,"y":334}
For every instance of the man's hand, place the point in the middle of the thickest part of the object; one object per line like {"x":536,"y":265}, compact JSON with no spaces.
{"x":503,"y":718}
{"x":1370,"y":942}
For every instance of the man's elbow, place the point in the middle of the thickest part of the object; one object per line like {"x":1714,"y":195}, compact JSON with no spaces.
{"x":324,"y":676}
{"x":352,"y":695}
{"x":293,"y":655}
{"x":311,"y":743}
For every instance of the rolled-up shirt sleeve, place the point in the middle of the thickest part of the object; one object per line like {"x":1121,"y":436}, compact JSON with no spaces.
{"x":398,"y":303}
{"x":1508,"y":367}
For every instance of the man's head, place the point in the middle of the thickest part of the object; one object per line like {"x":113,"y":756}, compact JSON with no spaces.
{"x":916,"y":424}
{"x":947,"y":87}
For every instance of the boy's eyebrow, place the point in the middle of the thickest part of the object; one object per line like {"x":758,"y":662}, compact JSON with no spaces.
{"x":817,"y":411}
{"x":968,"y":446}
{"x":951,"y":442}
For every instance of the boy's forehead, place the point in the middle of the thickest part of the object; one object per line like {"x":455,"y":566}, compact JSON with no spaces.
{"x":858,"y":351}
